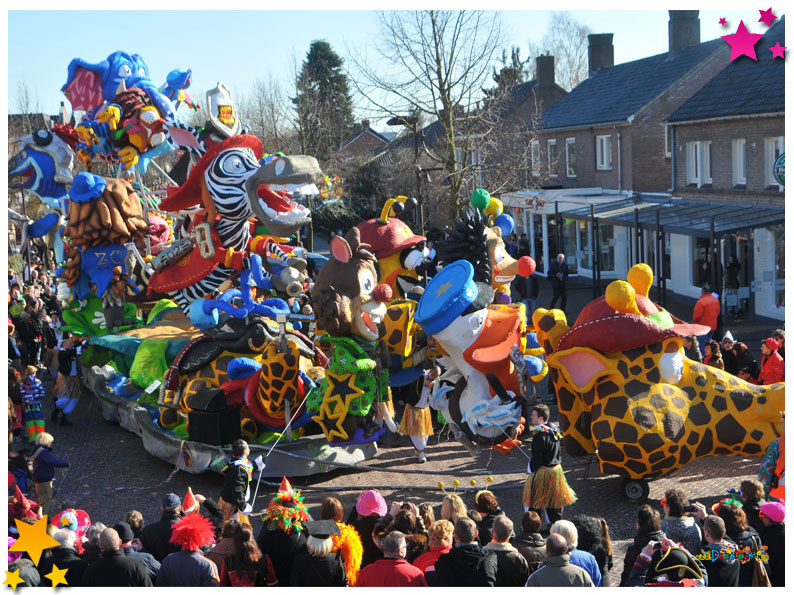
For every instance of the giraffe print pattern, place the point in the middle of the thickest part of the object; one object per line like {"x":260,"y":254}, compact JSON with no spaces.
{"x":643,"y":427}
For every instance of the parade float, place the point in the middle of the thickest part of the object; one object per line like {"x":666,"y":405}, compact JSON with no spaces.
{"x":627,"y":392}
{"x":203,"y":325}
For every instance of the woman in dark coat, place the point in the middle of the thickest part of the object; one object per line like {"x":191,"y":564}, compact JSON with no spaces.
{"x":649,"y":525}
{"x":248,"y":566}
{"x":319,"y":566}
{"x":594,"y":538}
{"x":737,"y":528}
{"x":745,"y":359}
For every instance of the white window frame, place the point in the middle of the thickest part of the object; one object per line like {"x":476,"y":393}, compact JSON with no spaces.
{"x":603,"y":152}
{"x":552,"y":142}
{"x":739,"y":161}
{"x":705,"y":159}
{"x":771,"y":145}
{"x":667,"y":144}
{"x":693,"y":164}
{"x":534,"y":151}
{"x":568,"y":143}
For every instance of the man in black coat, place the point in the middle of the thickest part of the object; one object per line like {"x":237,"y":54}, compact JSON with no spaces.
{"x":558,"y":275}
{"x":155,"y":537}
{"x":721,"y":560}
{"x":236,"y":479}
{"x":467,"y":564}
{"x":126,"y":535}
{"x":64,"y":556}
{"x":114,"y":568}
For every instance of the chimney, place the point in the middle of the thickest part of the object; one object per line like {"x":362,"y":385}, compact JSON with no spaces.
{"x":364,"y":124}
{"x":63,"y":115}
{"x":544,"y":70}
{"x":600,"y":52}
{"x":683,"y":30}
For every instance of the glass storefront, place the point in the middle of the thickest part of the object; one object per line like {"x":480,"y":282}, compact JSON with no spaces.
{"x":701,"y":262}
{"x":779,"y":238}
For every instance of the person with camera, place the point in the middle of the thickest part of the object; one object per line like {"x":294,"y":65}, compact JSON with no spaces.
{"x":678,"y":525}
{"x":665,"y":564}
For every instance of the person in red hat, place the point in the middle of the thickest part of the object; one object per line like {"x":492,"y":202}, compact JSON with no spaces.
{"x":773,"y":515}
{"x":189,"y":567}
{"x":773,"y":367}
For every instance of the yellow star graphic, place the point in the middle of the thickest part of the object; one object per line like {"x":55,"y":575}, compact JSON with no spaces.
{"x":338,"y":397}
{"x":33,"y":539}
{"x":443,"y":289}
{"x":65,"y":521}
{"x":13,"y":580}
{"x":57,"y":576}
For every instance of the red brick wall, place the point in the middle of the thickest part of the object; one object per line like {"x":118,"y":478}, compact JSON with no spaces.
{"x":721,"y":134}
{"x":651,"y":171}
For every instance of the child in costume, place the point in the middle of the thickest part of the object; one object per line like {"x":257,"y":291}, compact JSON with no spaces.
{"x":417,"y":422}
{"x":236,"y":482}
{"x":32,"y":393}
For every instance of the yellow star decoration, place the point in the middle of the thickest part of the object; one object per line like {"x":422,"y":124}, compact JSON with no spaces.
{"x":13,"y":580}
{"x":443,"y":289}
{"x":57,"y":576}
{"x":337,"y":400}
{"x":64,"y":520}
{"x":33,"y":539}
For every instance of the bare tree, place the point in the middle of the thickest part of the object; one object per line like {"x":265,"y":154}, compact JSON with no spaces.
{"x":566,"y":40}
{"x":27,"y":104}
{"x":435,"y":62}
{"x":265,"y":111}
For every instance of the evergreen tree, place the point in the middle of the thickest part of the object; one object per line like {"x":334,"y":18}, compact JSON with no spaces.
{"x":323,"y":104}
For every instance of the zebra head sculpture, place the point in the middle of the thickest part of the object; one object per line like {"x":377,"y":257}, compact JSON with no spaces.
{"x":230,"y":180}
{"x":226,"y":189}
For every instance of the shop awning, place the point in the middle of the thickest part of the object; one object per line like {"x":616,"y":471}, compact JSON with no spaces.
{"x":686,"y":217}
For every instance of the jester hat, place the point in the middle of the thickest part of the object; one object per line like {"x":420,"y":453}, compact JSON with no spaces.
{"x":286,"y":511}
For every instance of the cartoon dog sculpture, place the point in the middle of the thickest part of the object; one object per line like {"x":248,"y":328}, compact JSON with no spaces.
{"x":354,"y":395}
{"x":627,"y":392}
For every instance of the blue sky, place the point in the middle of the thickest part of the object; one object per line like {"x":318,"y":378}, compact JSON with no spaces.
{"x":237,"y":47}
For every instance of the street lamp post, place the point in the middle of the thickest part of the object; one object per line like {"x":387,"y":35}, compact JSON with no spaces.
{"x":412,"y":121}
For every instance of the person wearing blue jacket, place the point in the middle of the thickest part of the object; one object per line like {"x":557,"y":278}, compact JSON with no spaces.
{"x":44,"y":464}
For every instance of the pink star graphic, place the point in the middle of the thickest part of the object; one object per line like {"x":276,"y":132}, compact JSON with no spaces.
{"x":767,"y":17}
{"x":777,"y":50}
{"x":742,"y":42}
{"x":723,"y":22}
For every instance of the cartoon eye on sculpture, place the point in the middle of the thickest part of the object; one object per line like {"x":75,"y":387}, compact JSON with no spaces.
{"x":354,"y":397}
{"x":41,"y":163}
{"x":400,"y":252}
{"x":627,"y":392}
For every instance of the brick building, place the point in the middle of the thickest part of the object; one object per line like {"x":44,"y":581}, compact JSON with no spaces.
{"x":726,"y":139}
{"x":606,"y":140}
{"x":362,"y":144}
